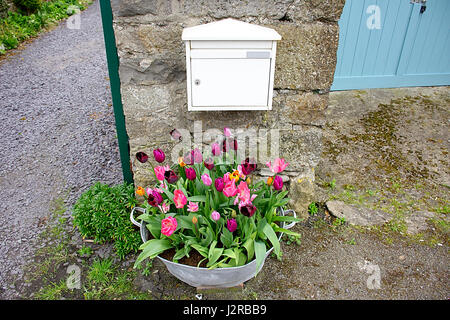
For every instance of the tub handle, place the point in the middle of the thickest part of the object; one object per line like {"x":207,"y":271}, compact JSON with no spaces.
{"x":290,"y":225}
{"x":142,"y":210}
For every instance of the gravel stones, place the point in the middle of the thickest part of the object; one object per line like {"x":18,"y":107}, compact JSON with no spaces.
{"x":58,"y":135}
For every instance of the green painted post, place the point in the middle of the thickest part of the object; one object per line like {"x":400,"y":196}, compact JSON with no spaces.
{"x":113,"y":68}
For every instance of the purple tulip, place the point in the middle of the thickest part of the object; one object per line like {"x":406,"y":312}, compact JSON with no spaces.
{"x":277,"y":183}
{"x":248,"y":166}
{"x":218,"y":183}
{"x":170,"y":176}
{"x":248,"y":210}
{"x":159,"y":155}
{"x":190,"y":173}
{"x":142,"y":157}
{"x":209,"y":163}
{"x":232,"y":225}
{"x":154,"y":198}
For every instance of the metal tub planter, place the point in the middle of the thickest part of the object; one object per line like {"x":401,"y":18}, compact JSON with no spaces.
{"x":211,"y":278}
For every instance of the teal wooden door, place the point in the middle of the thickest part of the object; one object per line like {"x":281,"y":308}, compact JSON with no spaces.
{"x":391,"y":43}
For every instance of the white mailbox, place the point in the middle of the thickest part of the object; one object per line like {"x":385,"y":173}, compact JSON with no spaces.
{"x":230,"y":65}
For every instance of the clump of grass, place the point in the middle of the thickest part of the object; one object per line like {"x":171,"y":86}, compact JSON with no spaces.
{"x":24,"y":24}
{"x":102,"y":213}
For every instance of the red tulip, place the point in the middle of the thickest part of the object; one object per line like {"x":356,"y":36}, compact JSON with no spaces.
{"x":209,"y":163}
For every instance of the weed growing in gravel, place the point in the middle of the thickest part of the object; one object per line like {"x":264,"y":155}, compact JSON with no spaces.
{"x":102,"y":213}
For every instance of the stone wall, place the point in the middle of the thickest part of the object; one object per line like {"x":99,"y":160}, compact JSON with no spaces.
{"x":153,"y":81}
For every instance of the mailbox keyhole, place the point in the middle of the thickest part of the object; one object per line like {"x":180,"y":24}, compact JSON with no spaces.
{"x":197,"y":82}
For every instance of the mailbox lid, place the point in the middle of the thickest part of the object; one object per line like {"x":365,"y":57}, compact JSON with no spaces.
{"x":229,"y":29}
{"x":230,"y":82}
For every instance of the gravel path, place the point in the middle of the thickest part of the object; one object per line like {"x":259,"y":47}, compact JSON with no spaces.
{"x":57,"y":134}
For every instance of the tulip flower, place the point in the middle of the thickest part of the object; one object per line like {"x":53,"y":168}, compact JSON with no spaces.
{"x":231,"y":225}
{"x":140,"y":191}
{"x":215,"y":215}
{"x":230,"y":189}
{"x":164,"y":207}
{"x":277,"y":183}
{"x":227,"y":132}
{"x":176,"y":134}
{"x":159,"y":155}
{"x":170,"y":176}
{"x":160,"y":171}
{"x":248,"y":166}
{"x":179,"y":199}
{"x":181,"y":162}
{"x":154,"y":198}
{"x":194,"y":156}
{"x":206,"y":179}
{"x":278,"y":165}
{"x":209,"y":163}
{"x":215,"y":149}
{"x":168,"y":226}
{"x":247,"y":210}
{"x":142,"y":157}
{"x":218,"y":183}
{"x":192,"y":206}
{"x":190,"y":173}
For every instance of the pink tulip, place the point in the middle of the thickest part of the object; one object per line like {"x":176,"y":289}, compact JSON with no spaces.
{"x":168,"y":226}
{"x":159,"y":155}
{"x":230,"y":189}
{"x":206,"y":179}
{"x":164,"y":207}
{"x":192,"y":206}
{"x":227,"y":132}
{"x":179,"y":199}
{"x":243,"y":192}
{"x":159,"y":172}
{"x":215,"y":149}
{"x":215,"y":215}
{"x":278,"y":165}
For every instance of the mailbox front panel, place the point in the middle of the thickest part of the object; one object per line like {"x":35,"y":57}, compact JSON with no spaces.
{"x":230,"y":82}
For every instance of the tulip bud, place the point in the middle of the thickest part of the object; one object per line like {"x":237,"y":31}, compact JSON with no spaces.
{"x":194,"y":220}
{"x":159,"y":155}
{"x":190,"y":173}
{"x":142,"y":157}
{"x":277,"y":183}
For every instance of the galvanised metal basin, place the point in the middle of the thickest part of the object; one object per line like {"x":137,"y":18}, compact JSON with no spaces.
{"x":210,"y":278}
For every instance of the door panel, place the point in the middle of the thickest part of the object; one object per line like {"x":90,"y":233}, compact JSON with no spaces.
{"x":405,"y":48}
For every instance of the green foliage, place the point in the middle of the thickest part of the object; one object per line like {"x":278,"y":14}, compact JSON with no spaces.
{"x":28,"y":6}
{"x":85,"y":251}
{"x":102,"y":213}
{"x":247,"y":222}
{"x":17,"y":27}
{"x":313,"y":209}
